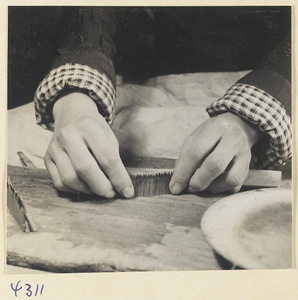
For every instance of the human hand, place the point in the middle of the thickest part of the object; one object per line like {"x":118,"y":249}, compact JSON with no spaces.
{"x":215,"y":156}
{"x":83,"y":154}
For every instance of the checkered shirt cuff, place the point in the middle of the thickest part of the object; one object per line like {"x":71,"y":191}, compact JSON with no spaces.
{"x":73,"y":76}
{"x":260,"y":108}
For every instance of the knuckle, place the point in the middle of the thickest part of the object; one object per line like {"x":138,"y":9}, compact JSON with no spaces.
{"x":83,"y":168}
{"x":222,"y":122}
{"x":86,"y":122}
{"x":47,"y":159}
{"x":193,"y":148}
{"x":63,"y":135}
{"x":68,"y":179}
{"x":241,"y":137}
{"x":109,"y":162}
{"x":195,"y":153}
{"x":215,"y":165}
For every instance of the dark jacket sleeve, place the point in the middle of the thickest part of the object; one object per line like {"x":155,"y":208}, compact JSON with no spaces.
{"x":274,"y":74}
{"x":85,"y":36}
{"x":263,"y":98}
{"x":84,"y":62}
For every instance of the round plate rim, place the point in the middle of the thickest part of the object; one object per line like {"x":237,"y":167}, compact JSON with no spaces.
{"x":212,"y":230}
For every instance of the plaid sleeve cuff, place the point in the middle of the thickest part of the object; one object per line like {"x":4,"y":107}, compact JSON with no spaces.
{"x":73,"y":76}
{"x":261,"y":109}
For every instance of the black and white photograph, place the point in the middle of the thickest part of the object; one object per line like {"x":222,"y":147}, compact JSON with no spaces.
{"x":151,"y":138}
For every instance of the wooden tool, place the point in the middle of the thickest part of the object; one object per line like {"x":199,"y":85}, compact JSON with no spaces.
{"x":151,"y":176}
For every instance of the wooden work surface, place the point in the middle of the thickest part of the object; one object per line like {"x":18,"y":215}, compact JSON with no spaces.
{"x":90,"y":234}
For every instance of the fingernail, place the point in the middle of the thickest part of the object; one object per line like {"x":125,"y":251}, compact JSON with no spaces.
{"x":176,"y":189}
{"x":128,"y":192}
{"x":110,"y":194}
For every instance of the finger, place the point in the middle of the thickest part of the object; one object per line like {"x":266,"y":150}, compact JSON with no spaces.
{"x":107,"y":155}
{"x":213,"y":166}
{"x":67,"y":172}
{"x":53,"y":171}
{"x":87,"y":168}
{"x":233,"y":179}
{"x":195,"y":149}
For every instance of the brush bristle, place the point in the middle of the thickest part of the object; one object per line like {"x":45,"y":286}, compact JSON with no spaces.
{"x":147,"y":185}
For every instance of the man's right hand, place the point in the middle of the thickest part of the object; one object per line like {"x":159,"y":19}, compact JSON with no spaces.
{"x":83,"y":154}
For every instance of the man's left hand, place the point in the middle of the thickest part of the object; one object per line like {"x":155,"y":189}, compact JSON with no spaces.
{"x":215,"y":156}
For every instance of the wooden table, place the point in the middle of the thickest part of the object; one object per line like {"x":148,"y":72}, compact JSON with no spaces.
{"x":90,"y":234}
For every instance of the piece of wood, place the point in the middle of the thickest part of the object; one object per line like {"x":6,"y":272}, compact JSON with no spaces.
{"x":155,"y":165}
{"x":150,"y":182}
{"x":262,"y":179}
{"x":152,"y":175}
{"x":15,"y":207}
{"x":18,"y":209}
{"x":79,"y":233}
{"x":26,"y":161}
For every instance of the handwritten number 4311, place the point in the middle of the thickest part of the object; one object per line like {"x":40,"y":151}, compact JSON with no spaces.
{"x":30,"y":291}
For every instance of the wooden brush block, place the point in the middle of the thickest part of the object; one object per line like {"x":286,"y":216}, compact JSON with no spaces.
{"x":157,"y":171}
{"x":149,"y":182}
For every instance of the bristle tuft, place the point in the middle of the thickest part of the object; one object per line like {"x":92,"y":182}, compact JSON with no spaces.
{"x":151,"y":184}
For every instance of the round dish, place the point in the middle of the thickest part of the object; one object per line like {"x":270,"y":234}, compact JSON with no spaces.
{"x":253,"y":230}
